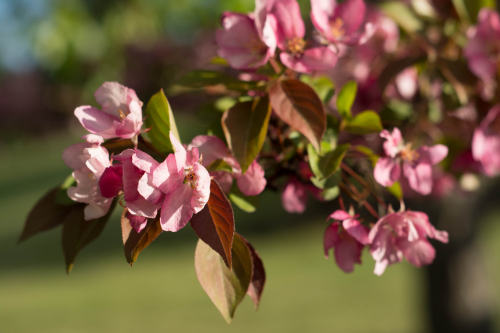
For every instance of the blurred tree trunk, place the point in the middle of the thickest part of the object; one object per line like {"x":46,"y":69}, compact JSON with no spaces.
{"x":458,"y":291}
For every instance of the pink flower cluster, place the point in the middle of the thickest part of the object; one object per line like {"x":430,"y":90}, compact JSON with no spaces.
{"x":176,"y":188}
{"x":250,"y":41}
{"x":416,"y":163}
{"x":394,"y":237}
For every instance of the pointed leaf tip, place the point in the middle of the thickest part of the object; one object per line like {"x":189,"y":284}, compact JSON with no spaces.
{"x":225,"y":287}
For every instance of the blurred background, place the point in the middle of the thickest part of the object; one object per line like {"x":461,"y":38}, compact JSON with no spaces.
{"x":53,"y":55}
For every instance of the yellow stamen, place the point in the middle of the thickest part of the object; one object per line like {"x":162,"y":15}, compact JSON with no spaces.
{"x":296,"y":46}
{"x":337,"y":29}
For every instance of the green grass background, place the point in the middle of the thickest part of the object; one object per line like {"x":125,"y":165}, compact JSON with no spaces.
{"x":304,"y":291}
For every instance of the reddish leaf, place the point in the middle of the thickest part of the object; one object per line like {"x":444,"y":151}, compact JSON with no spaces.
{"x":298,"y":105}
{"x":215,"y":223}
{"x":245,"y":128}
{"x":256,"y":286}
{"x":225,"y":287}
{"x":45,"y":215}
{"x":77,"y":232}
{"x":134,"y":242}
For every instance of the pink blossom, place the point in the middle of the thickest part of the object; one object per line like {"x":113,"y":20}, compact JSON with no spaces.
{"x":294,"y":196}
{"x":120,"y":115}
{"x":88,"y":161}
{"x":403,"y":234}
{"x":417,"y":164}
{"x":405,"y":84}
{"x":483,"y":47}
{"x":340,"y":23}
{"x":185,"y":184}
{"x":133,"y":175}
{"x":211,"y":148}
{"x":286,"y":21}
{"x":240,"y":44}
{"x":486,"y":142}
{"x":347,"y":236}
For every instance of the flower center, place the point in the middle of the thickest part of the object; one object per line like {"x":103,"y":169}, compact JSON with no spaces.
{"x":122,"y":114}
{"x":190,"y":177}
{"x":336,"y":28}
{"x":408,"y":153}
{"x":296,"y":46}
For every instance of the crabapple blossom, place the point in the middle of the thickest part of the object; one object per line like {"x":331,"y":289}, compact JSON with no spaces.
{"x":185,"y":183}
{"x":417,"y":163}
{"x":133,"y":175}
{"x":88,"y":161}
{"x":403,"y":234}
{"x":240,"y":44}
{"x":120,"y":115}
{"x":211,"y":148}
{"x":340,"y":23}
{"x":290,"y":31}
{"x":483,"y":47}
{"x":486,"y":142}
{"x":347,"y":236}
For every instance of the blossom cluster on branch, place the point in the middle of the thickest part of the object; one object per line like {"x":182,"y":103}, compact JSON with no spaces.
{"x":375,"y":105}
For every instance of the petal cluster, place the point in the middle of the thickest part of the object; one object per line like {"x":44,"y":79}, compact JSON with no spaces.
{"x":483,"y":46}
{"x":211,"y":148}
{"x":120,"y":115}
{"x":416,"y":163}
{"x":185,"y":184}
{"x":347,"y":236}
{"x":486,"y":142}
{"x":403,"y":234}
{"x":88,"y":160}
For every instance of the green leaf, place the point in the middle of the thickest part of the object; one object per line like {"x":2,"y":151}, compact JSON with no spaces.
{"x":396,"y":190}
{"x":204,"y":78}
{"x":330,"y":162}
{"x":78,"y":233}
{"x":331,"y":193}
{"x":160,"y":120}
{"x":219,"y":165}
{"x":402,"y":15}
{"x":245,"y":129}
{"x":368,"y":153}
{"x":364,"y":123}
{"x":245,"y":203}
{"x":322,"y":85}
{"x":62,"y":195}
{"x":327,"y":183}
{"x":225,"y":287}
{"x":45,"y":215}
{"x":345,"y":99}
{"x":313,"y":160}
{"x":298,"y":105}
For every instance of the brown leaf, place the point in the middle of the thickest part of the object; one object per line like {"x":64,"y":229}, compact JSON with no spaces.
{"x":134,"y":242}
{"x":45,"y":215}
{"x":116,"y":146}
{"x":245,"y":129}
{"x":298,"y":105}
{"x":215,"y":223}
{"x":225,"y":287}
{"x":256,"y":286}
{"x":77,"y":232}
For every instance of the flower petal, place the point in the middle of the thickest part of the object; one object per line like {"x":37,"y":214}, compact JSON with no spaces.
{"x":386,"y":171}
